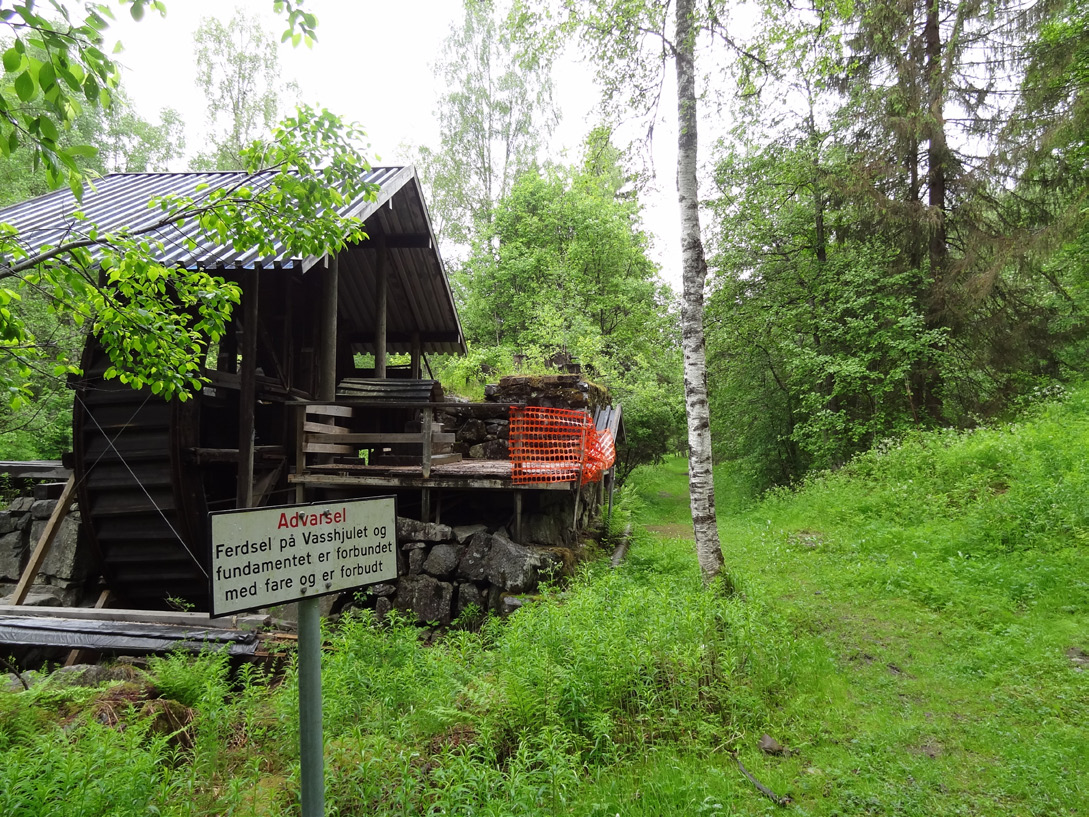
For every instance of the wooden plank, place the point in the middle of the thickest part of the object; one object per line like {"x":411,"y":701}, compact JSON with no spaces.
{"x":329,"y":410}
{"x":300,"y":441}
{"x":327,"y":356}
{"x":187,"y":619}
{"x":400,"y":460}
{"x":205,"y":456}
{"x":324,"y":428}
{"x":454,"y":483}
{"x":45,"y":542}
{"x":425,"y":420}
{"x":35,"y":469}
{"x":326,"y":448}
{"x":350,"y":438}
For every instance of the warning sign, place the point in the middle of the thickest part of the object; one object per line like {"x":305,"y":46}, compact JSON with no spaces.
{"x":267,"y":556}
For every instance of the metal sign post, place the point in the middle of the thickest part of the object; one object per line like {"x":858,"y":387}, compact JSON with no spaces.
{"x":268,"y":556}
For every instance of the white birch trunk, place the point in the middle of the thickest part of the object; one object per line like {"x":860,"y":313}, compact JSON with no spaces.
{"x":700,"y":477}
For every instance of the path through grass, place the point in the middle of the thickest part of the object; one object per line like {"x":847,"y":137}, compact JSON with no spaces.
{"x":956,"y":621}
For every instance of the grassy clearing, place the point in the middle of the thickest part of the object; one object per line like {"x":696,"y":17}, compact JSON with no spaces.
{"x":911,"y":629}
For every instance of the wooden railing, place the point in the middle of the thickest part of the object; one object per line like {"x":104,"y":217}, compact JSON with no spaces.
{"x":327,"y":435}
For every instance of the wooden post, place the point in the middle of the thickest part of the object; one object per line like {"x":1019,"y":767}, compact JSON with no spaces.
{"x":425,"y":504}
{"x":414,"y":363}
{"x":247,"y":394}
{"x":381,"y":298}
{"x":45,"y":542}
{"x":426,"y":416}
{"x":327,"y":362}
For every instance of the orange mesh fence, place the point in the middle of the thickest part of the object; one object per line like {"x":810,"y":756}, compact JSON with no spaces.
{"x":600,"y":455}
{"x":556,"y":445}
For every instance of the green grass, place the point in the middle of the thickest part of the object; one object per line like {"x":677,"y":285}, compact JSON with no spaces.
{"x":907,"y":627}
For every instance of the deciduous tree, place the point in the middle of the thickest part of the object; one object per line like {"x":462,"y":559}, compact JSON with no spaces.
{"x":494,"y":116}
{"x":238,"y":70}
{"x":154,"y":321}
{"x":631,"y":44}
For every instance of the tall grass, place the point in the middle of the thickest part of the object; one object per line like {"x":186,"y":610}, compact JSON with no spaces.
{"x":910,"y":626}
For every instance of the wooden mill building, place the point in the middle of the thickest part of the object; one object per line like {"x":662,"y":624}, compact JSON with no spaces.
{"x":149,"y":471}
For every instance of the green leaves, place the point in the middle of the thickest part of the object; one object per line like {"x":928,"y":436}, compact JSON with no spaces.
{"x":155,"y":322}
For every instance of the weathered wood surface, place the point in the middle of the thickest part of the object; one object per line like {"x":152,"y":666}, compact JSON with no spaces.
{"x":178,"y":617}
{"x":468,"y":474}
{"x":35,"y":469}
{"x":121,"y":636}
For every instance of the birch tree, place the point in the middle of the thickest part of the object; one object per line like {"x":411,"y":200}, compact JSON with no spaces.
{"x":494,"y":116}
{"x":632,"y":45}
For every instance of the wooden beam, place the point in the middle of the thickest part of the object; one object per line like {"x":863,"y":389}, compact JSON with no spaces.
{"x":415,"y":354}
{"x":338,"y":435}
{"x":41,"y":550}
{"x":247,"y":396}
{"x":426,"y":416}
{"x":380,"y":305}
{"x":265,"y":485}
{"x":329,"y":411}
{"x":185,"y":619}
{"x":327,"y":363}
{"x":405,"y":338}
{"x":452,"y":483}
{"x":328,"y":448}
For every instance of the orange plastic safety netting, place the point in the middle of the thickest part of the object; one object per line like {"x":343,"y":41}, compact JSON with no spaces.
{"x":557,"y":445}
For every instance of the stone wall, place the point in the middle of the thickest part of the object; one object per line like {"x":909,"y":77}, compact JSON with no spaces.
{"x":68,"y":567}
{"x":484,"y":433}
{"x":443,"y":571}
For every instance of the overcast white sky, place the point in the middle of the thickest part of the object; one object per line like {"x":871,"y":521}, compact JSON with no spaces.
{"x":372,"y":64}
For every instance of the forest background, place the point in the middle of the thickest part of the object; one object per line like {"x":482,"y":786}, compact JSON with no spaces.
{"x":894,"y":208}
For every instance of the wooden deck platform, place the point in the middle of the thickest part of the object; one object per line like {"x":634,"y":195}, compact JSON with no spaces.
{"x":467,"y":474}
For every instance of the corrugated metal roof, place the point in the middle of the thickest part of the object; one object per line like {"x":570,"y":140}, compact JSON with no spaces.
{"x":120,"y":201}
{"x":420,"y":299}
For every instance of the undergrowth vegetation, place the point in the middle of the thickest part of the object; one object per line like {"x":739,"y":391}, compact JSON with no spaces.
{"x":911,"y":628}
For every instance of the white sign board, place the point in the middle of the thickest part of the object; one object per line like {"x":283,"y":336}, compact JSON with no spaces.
{"x":262,"y":557}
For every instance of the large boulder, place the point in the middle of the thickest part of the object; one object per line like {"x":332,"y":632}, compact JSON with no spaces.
{"x":474,"y":431}
{"x":12,"y":548}
{"x":468,"y":595}
{"x":8,"y":522}
{"x":471,"y":563}
{"x":466,"y":532}
{"x":43,"y":508}
{"x":441,"y":561}
{"x":551,"y":529}
{"x":511,"y":566}
{"x":426,"y":598}
{"x":66,"y":559}
{"x":412,"y":530}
